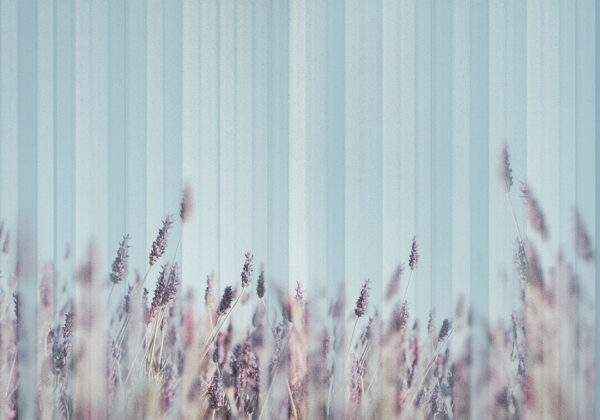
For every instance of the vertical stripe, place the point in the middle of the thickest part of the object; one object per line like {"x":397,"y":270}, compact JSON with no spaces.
{"x":585,"y":152}
{"x":65,"y":144}
{"x":567,"y":187}
{"x":155,"y":188}
{"x":479,"y":187}
{"x":27,"y":255}
{"x":172,"y":56}
{"x":422,"y":179}
{"x":208,"y":194}
{"x":191,"y":134}
{"x":45,"y":127}
{"x":297,"y":148}
{"x":461,"y":153}
{"x":393,"y":142}
{"x":597,"y":213}
{"x":336,"y":45}
{"x":441,"y":157}
{"x":135,"y":133}
{"x":278,"y":146}
{"x":116,"y":122}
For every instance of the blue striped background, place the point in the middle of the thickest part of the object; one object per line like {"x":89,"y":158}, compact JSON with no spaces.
{"x":320,"y":135}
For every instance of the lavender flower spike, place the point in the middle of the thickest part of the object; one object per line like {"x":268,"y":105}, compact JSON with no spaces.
{"x":226,"y":300}
{"x":171,"y":286}
{"x":119,"y":267}
{"x":186,"y":203}
{"x":444,"y":330}
{"x":247,"y":270}
{"x":160,"y":243}
{"x":362,"y":304}
{"x":160,"y":290}
{"x":413,"y":260}
{"x":216,"y":393}
{"x":260,"y":284}
{"x":504,"y":169}
{"x":534,"y":212}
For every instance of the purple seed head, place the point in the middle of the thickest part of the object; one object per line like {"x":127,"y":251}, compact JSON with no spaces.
{"x":16,"y":300}
{"x":186,"y":203}
{"x":160,"y":243}
{"x":260,"y":284}
{"x":209,"y":293}
{"x":400,"y":318}
{"x":47,"y":286}
{"x":413,"y":260}
{"x":299,"y":293}
{"x":167,"y":392}
{"x":534,"y":271}
{"x":216,"y":393}
{"x":160,"y":290}
{"x":504,"y":169}
{"x":119,"y":267}
{"x":534,"y":212}
{"x":583,"y":243}
{"x":226,"y":300}
{"x":68,"y":328}
{"x":362,"y":304}
{"x":247,"y":270}
{"x":6,"y":245}
{"x":171,"y":286}
{"x":394,"y":284}
{"x":444,"y":330}
{"x":356,"y":389}
{"x":521,"y":261}
{"x":431,"y":322}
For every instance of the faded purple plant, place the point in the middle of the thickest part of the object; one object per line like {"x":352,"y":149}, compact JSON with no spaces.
{"x":504,"y":169}
{"x":216,"y":393}
{"x":535,"y":273}
{"x":246,"y":377}
{"x":226,"y":300}
{"x":171,"y":286}
{"x":6,"y":245}
{"x":534,"y":212}
{"x":112,"y":369}
{"x":431,"y":322}
{"x":247,"y":270}
{"x":299,"y":293}
{"x":521,"y":261}
{"x":260,"y":284}
{"x":362,"y":304}
{"x":413,"y":260}
{"x":400,"y":317}
{"x":187,"y":205}
{"x":583,"y":243}
{"x":160,"y":243}
{"x":119,"y":267}
{"x":437,"y":402}
{"x":160,"y":289}
{"x":209,"y":292}
{"x":168,"y":390}
{"x":444,"y":330}
{"x":68,"y":328}
{"x":394,"y":284}
{"x":358,"y":370}
{"x":61,"y":344}
{"x":47,"y":286}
